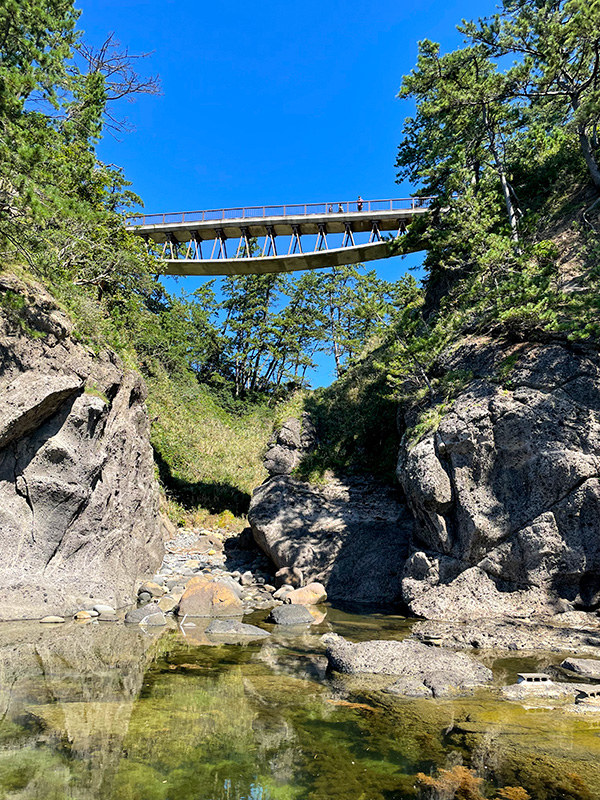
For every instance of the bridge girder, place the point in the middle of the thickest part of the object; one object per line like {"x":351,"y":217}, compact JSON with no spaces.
{"x":178,"y":244}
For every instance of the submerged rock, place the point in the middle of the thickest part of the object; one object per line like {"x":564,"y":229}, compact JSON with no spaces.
{"x":235,"y":628}
{"x":443,"y":672}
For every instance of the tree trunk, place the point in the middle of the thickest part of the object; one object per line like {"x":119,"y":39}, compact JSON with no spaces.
{"x":510,"y":209}
{"x":588,"y":154}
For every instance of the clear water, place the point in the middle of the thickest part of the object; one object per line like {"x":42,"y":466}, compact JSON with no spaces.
{"x":104,"y":711}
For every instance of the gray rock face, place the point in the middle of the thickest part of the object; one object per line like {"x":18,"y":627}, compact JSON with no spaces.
{"x":442,"y":672}
{"x":351,"y":536}
{"x":79,"y":515}
{"x":506,"y":492}
{"x":286,"y":448}
{"x":576,"y":631}
{"x":585,"y":667}
{"x":291,"y":615}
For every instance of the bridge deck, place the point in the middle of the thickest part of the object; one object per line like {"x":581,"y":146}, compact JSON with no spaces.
{"x":361,"y":222}
{"x":175,"y":232}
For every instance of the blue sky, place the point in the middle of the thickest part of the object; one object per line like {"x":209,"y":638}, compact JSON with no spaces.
{"x":269,"y":102}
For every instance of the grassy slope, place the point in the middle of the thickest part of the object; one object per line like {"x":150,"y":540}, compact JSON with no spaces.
{"x":209,"y":457}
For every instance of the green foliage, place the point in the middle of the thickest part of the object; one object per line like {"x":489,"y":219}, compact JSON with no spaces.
{"x":356,"y":419}
{"x":13,"y":306}
{"x":501,"y":147}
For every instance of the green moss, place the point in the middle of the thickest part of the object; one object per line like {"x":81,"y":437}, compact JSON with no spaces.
{"x":92,"y":389}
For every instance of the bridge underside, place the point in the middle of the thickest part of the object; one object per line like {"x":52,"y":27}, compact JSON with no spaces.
{"x":273,"y":244}
{"x":261,"y":265}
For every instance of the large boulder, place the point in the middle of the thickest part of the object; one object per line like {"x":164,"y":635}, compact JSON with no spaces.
{"x":350,"y":535}
{"x":421,"y":667}
{"x":289,"y":444}
{"x":506,"y":492}
{"x":79,"y":516}
{"x":204,"y":597}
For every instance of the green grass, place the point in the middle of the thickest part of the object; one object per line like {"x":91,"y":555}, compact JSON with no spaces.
{"x":209,"y":458}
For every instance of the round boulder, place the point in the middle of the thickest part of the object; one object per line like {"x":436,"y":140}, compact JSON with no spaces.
{"x":291,"y":615}
{"x":309,"y":595}
{"x":206,"y":598}
{"x":149,"y":614}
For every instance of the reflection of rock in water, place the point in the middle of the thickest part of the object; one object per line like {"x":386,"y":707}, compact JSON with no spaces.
{"x":72,"y":689}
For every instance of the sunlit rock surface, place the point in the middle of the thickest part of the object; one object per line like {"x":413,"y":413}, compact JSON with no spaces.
{"x":350,"y":535}
{"x":78,"y":498}
{"x":505,"y":491}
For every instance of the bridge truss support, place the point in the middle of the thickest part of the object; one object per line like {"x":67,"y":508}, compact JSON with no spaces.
{"x":275,"y":244}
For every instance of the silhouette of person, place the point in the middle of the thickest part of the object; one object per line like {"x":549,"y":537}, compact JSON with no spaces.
{"x":329,"y":208}
{"x":340,"y":209}
{"x":359,"y":203}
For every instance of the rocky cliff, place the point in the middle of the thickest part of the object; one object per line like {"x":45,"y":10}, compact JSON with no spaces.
{"x":78,"y":498}
{"x":501,"y":507}
{"x":505,"y":491}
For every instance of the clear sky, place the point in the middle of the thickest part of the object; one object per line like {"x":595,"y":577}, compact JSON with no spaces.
{"x":269,"y":102}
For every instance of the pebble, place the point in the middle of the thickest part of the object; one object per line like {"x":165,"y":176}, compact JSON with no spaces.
{"x":103,"y":608}
{"x":167,"y":604}
{"x":233,"y":566}
{"x":108,"y":618}
{"x":52,"y":618}
{"x":82,"y":615}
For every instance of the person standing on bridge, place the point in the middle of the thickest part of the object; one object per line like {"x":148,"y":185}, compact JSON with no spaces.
{"x":359,"y":203}
{"x":340,"y":208}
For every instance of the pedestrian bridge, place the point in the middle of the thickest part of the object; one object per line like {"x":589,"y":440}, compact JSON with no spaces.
{"x":262,"y":239}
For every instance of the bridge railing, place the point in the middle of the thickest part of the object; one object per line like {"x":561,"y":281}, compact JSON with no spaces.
{"x":291,"y":210}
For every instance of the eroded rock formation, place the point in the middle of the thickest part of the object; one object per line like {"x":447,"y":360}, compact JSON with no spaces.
{"x":78,"y":497}
{"x":505,"y":492}
{"x":501,"y":501}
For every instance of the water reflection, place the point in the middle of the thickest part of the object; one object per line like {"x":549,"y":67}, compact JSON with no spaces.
{"x":106,"y":712}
